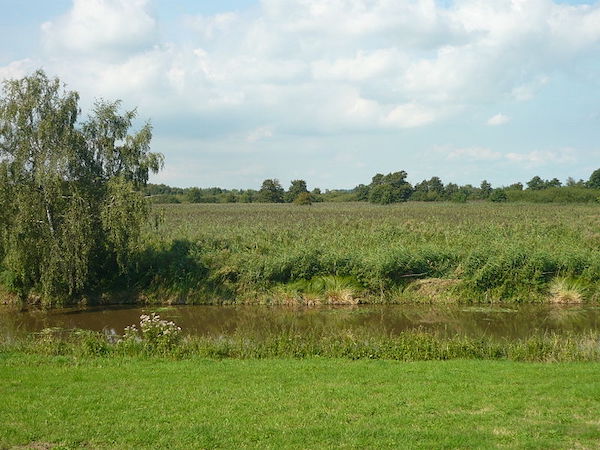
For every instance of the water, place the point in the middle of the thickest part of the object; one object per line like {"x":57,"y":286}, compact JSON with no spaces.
{"x":495,"y":321}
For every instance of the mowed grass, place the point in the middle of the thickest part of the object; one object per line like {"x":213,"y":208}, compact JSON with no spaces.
{"x":343,"y":253}
{"x":284,"y":403}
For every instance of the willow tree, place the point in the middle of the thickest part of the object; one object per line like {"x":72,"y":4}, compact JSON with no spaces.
{"x":71,"y":209}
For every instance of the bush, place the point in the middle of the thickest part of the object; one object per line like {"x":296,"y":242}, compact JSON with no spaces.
{"x":498,"y":196}
{"x":304,"y":198}
{"x":154,"y":333}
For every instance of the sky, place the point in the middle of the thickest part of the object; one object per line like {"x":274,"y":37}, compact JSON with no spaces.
{"x":334,"y":91}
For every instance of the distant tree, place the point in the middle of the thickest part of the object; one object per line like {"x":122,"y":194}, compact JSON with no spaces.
{"x":229,"y":197}
{"x":303,"y":198}
{"x":536,"y":184}
{"x":390,"y":188}
{"x":429,"y":190}
{"x":460,"y":197}
{"x":516,"y":187}
{"x":383,"y":194}
{"x":316,"y":196}
{"x":377,"y":179}
{"x":362,"y":193}
{"x":450,"y":190}
{"x":271,"y":192}
{"x":194,"y":195}
{"x":297,"y":187}
{"x":485,"y":189}
{"x":436,"y":185}
{"x":594,"y":181}
{"x":248,"y":196}
{"x":498,"y":196}
{"x":554,"y":182}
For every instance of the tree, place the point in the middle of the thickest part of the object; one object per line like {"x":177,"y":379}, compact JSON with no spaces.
{"x":594,"y":181}
{"x":271,"y":191}
{"x":516,"y":187}
{"x":71,"y":209}
{"x":304,"y":198}
{"x":554,"y":182}
{"x":297,"y":187}
{"x":390,"y":188}
{"x":486,"y":189}
{"x":194,"y":195}
{"x":429,"y":190}
{"x":362,"y":192}
{"x":498,"y":196}
{"x":536,"y":184}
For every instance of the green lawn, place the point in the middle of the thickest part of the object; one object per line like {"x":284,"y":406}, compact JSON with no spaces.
{"x":124,"y":403}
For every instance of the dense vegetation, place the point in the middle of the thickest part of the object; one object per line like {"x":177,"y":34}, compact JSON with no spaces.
{"x":71,"y":209}
{"x":390,"y":188}
{"x":160,"y":338}
{"x":282,"y":403}
{"x":356,"y":252}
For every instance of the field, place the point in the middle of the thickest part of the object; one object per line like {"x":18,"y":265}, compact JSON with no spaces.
{"x":150,"y":403}
{"x":357,"y":252}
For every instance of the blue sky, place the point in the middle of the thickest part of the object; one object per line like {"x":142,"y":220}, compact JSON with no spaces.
{"x":332,"y":92}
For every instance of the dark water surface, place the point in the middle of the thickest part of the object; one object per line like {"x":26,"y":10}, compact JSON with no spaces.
{"x":496,"y":321}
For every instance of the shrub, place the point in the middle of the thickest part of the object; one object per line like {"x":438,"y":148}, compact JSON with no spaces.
{"x":154,"y":333}
{"x":498,"y":196}
{"x":304,"y":198}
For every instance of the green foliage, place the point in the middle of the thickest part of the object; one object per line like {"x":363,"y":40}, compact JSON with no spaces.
{"x":160,"y":338}
{"x":485,"y":189}
{"x":594,"y":181}
{"x":304,"y":198}
{"x":69,"y":191}
{"x":498,"y":196}
{"x":297,"y":188}
{"x":154,"y":334}
{"x":241,"y":253}
{"x":164,"y":199}
{"x":271,"y":192}
{"x":194,"y":195}
{"x":537,"y":184}
{"x":555,"y":195}
{"x":390,"y":188}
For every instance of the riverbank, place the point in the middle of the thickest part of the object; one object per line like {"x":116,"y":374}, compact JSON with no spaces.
{"x":160,"y":338}
{"x":359,"y":253}
{"x":282,"y":403}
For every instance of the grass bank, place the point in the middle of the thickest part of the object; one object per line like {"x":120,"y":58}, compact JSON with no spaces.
{"x":282,"y":403}
{"x":357,"y":252}
{"x":363,"y":253}
{"x":406,"y":346}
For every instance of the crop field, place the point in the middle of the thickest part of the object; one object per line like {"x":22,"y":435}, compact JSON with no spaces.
{"x":357,"y":252}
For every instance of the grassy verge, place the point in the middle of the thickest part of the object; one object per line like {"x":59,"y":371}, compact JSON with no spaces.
{"x":407,"y":346}
{"x":150,"y":403}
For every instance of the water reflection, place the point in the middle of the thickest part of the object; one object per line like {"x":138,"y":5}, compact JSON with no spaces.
{"x":510,"y":321}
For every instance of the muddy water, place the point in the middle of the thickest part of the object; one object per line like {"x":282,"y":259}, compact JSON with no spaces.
{"x":508,"y":321}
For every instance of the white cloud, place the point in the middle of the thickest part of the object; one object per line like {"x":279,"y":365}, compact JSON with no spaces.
{"x":259,"y":134}
{"x":310,"y":66}
{"x":498,"y":119}
{"x":102,"y":26}
{"x":17,"y":69}
{"x":410,"y":115}
{"x":533,"y":158}
{"x":475,"y":154}
{"x":543,"y":157}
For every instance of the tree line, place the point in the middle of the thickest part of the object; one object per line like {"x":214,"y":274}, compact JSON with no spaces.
{"x":386,"y":189}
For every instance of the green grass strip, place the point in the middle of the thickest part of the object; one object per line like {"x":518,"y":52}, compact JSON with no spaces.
{"x":282,"y":403}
